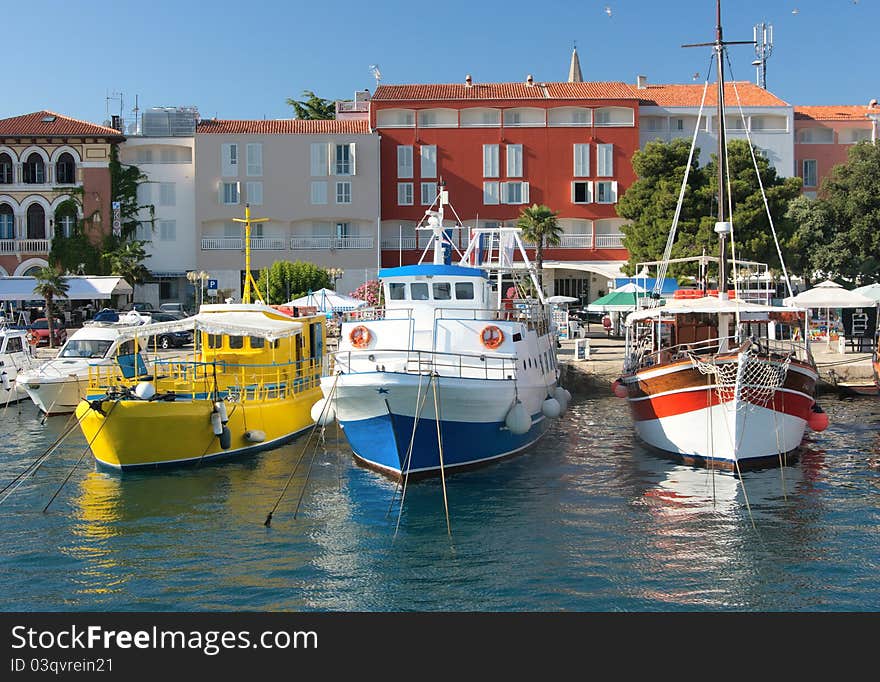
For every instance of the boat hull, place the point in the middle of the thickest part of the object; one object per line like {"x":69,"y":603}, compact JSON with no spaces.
{"x":55,"y":396}
{"x":137,"y":434}
{"x":377,"y":411}
{"x":676,"y":410}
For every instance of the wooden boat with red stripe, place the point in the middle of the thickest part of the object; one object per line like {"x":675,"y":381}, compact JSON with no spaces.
{"x":714,"y":401}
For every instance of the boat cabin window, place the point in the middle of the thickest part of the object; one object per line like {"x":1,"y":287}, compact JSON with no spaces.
{"x":442,"y":291}
{"x":276,"y":343}
{"x":13,"y":344}
{"x":215,"y":340}
{"x":125,"y":348}
{"x":84,"y":348}
{"x":257,"y":342}
{"x":397,"y":291}
{"x":236,"y":342}
{"x":464,"y":291}
{"x":419,"y":291}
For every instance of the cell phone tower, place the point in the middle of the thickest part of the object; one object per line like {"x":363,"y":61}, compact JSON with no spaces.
{"x":763,"y":34}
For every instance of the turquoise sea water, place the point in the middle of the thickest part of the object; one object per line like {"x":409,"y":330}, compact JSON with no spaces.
{"x":587,"y":520}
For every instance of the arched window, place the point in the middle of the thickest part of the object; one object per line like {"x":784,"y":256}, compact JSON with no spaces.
{"x":65,"y":169}
{"x":7,"y":222}
{"x":65,"y":223}
{"x":34,"y":170}
{"x":5,"y":169}
{"x":36,"y":222}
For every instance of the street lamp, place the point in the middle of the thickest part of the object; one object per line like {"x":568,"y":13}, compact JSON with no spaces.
{"x":198,"y":279}
{"x":335,"y":274}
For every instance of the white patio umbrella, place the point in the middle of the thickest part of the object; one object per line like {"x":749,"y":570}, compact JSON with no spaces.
{"x":630,"y":288}
{"x":829,"y":295}
{"x":327,"y":300}
{"x":871,"y":291}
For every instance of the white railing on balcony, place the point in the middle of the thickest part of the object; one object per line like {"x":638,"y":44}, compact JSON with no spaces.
{"x":609,"y":241}
{"x":222,"y":243}
{"x":399,"y":243}
{"x":348,"y":106}
{"x":576,"y":241}
{"x":331,"y":243}
{"x":24,"y":246}
{"x":267,"y":243}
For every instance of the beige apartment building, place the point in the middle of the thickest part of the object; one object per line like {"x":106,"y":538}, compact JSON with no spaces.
{"x":317,"y":182}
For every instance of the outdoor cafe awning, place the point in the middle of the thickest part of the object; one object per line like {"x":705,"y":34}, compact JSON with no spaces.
{"x":81,"y":288}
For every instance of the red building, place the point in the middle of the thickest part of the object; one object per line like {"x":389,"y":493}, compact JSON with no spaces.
{"x":824,"y":135}
{"x":500,"y":147}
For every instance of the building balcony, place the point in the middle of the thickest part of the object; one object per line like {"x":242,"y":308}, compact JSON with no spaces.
{"x":25,"y":246}
{"x":567,"y":241}
{"x":331,"y":243}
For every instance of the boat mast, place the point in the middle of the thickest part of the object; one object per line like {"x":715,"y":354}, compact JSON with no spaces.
{"x":722,"y":227}
{"x":248,"y":277}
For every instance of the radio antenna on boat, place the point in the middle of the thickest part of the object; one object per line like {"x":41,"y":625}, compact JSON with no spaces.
{"x":248,"y":277}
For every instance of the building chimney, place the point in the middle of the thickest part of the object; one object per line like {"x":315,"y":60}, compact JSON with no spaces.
{"x":641,"y":82}
{"x":467,"y":80}
{"x":529,"y":80}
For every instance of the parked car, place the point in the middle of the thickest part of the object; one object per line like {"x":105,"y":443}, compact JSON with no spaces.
{"x":140,"y":306}
{"x":38,"y":332}
{"x":169,"y":339}
{"x":174,"y":308}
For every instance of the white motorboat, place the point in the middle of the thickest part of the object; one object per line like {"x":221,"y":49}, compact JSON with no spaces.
{"x":15,"y":357}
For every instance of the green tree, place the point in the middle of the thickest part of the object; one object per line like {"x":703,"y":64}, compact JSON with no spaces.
{"x":840,"y":231}
{"x":541,"y":226}
{"x":50,"y":286}
{"x":285,"y":281}
{"x":650,"y":203}
{"x":313,"y":107}
{"x":127,"y":261}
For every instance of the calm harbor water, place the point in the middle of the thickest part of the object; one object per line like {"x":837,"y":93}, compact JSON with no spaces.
{"x":587,"y":520}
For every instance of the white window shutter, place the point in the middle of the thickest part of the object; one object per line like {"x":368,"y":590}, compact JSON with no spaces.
{"x":572,"y":192}
{"x":351,"y":147}
{"x":614,"y":192}
{"x":220,"y":193}
{"x":590,"y":193}
{"x":331,"y":158}
{"x":525,"y":192}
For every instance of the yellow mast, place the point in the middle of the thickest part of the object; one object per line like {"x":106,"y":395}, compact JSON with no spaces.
{"x":248,"y":277}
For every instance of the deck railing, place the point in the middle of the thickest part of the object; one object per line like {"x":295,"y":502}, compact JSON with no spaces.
{"x":453,"y":365}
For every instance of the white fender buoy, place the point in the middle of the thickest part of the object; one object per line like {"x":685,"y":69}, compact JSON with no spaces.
{"x":4,"y":379}
{"x":551,"y":408}
{"x":220,"y":406}
{"x":518,"y":420}
{"x":562,"y":396}
{"x":225,"y":438}
{"x":216,"y":424}
{"x":329,"y":415}
{"x":145,"y":390}
{"x":255,"y":436}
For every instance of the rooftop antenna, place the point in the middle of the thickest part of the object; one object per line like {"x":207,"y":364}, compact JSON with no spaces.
{"x":763,"y":34}
{"x":114,"y":96}
{"x":137,"y":120}
{"x":374,"y":69}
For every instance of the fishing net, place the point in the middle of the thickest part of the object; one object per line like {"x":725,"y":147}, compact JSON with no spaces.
{"x":752,"y":378}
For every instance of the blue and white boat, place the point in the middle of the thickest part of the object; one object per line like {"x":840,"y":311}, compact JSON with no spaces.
{"x":453,"y":370}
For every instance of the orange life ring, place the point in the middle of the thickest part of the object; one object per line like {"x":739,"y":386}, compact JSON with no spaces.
{"x":32,"y":338}
{"x":359,"y":336}
{"x":491,"y":337}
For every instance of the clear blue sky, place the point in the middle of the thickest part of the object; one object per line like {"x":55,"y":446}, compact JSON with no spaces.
{"x":243,"y":59}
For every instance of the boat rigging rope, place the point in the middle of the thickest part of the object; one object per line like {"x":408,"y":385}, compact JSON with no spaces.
{"x":670,"y":240}
{"x":761,"y":185}
{"x":440,"y":451}
{"x":82,"y":456}
{"x":408,"y":458}
{"x":268,"y":521}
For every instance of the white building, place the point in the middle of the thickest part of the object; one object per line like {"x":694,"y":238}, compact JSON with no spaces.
{"x":162,"y":147}
{"x":670,"y":111}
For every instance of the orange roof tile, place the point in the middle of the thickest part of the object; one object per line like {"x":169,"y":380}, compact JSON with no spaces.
{"x":690,"y":95}
{"x":844,"y":112}
{"x":501,"y":91}
{"x":38,"y":123}
{"x":284,"y":126}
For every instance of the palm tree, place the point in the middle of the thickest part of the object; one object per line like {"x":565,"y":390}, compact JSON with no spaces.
{"x":50,"y":285}
{"x":540,"y":225}
{"x":127,"y":261}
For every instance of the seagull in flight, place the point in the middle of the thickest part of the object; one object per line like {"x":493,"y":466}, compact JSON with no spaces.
{"x":608,"y":10}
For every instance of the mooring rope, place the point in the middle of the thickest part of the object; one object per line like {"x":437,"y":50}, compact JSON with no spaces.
{"x":440,"y":451}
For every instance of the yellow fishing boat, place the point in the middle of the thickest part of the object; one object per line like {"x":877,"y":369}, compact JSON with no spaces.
{"x":249,"y":385}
